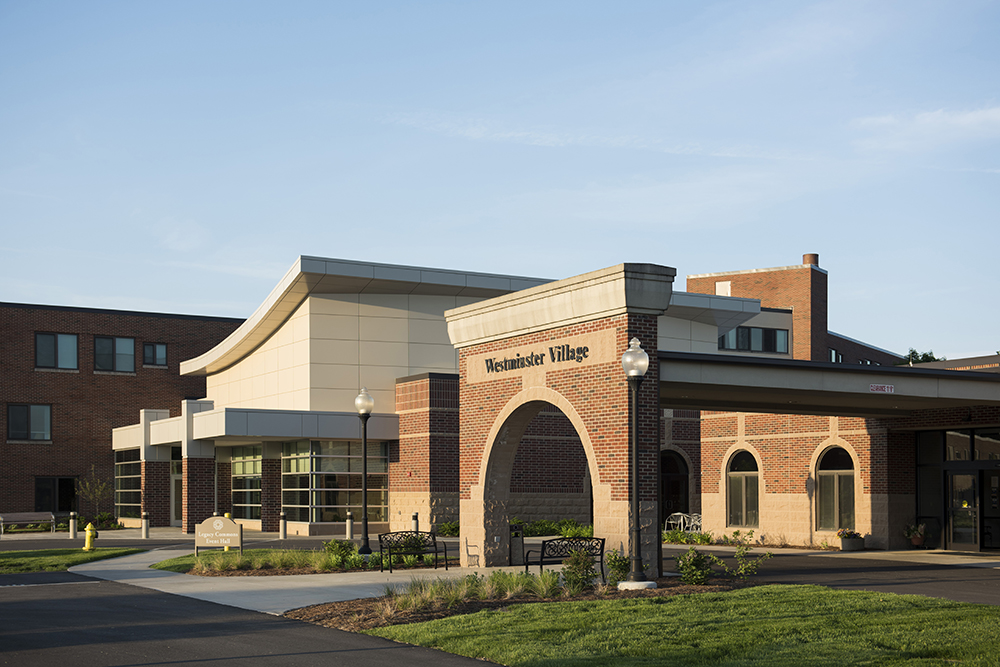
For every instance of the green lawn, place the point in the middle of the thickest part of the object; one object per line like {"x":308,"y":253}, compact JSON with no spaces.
{"x":54,"y":560}
{"x":765,"y":625}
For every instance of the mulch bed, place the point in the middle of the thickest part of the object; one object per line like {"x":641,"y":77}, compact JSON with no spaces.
{"x":368,"y":613}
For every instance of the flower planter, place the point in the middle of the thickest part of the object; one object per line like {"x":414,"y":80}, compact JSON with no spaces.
{"x":917,"y":540}
{"x":852,"y":544}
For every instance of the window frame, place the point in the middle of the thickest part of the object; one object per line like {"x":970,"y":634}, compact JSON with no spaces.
{"x":28,"y":434}
{"x":114,"y":354}
{"x":742,"y":476}
{"x":834,"y":478}
{"x":755,"y":340}
{"x":55,"y":351}
{"x":154,"y":347}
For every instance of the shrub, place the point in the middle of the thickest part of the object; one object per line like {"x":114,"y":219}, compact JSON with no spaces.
{"x":695,"y":567}
{"x":342,"y":548}
{"x":448,"y":529}
{"x":578,"y":571}
{"x":410,"y":560}
{"x":576,"y":530}
{"x":618,"y":567}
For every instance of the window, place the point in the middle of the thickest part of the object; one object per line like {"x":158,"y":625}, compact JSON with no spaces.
{"x":743,"y":490}
{"x":334,"y":487}
{"x":55,"y":494}
{"x":835,"y":490}
{"x":154,"y":354}
{"x":114,"y":354}
{"x":55,"y":350}
{"x":29,"y":422}
{"x":755,"y":339}
{"x":836,"y":357}
{"x":246,"y":474}
{"x":128,"y":483}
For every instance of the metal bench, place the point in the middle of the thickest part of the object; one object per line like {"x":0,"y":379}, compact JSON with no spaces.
{"x":410,"y":543}
{"x":556,"y":550}
{"x":24,"y":518}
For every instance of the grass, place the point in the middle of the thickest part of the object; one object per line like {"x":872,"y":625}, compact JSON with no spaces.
{"x":54,"y":560}
{"x":280,"y":559}
{"x":765,"y":625}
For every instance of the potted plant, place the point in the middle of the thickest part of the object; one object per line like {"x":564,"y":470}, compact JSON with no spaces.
{"x":850,"y":540}
{"x":915,"y":532}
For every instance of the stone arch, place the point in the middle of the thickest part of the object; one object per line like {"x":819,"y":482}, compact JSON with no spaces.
{"x":685,"y":458}
{"x":484,"y":516}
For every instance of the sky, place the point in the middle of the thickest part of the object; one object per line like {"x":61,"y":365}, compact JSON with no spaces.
{"x":179,"y":156}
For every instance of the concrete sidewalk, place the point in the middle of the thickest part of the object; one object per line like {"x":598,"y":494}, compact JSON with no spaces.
{"x":269,"y":594}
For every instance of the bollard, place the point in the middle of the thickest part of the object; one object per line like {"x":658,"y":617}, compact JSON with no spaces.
{"x":416,"y":522}
{"x":145,"y":525}
{"x":350,"y":527}
{"x":72,"y":525}
{"x":282,"y":527}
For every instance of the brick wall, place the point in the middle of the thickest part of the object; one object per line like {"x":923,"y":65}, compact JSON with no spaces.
{"x":224,"y":487}
{"x":270,"y":495}
{"x":156,"y":492}
{"x":199,"y":491}
{"x":802,"y":288}
{"x":86,"y":405}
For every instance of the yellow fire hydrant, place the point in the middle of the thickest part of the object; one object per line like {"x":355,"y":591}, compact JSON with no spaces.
{"x":228,"y":515}
{"x":91,"y":532}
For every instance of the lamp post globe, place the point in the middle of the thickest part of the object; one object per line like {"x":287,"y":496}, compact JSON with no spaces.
{"x":635,"y":363}
{"x":364,"y":404}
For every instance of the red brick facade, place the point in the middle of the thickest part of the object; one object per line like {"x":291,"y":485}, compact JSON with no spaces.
{"x":87,"y":404}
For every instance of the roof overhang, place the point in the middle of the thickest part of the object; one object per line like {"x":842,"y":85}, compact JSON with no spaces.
{"x":317,"y":275}
{"x":723,"y":382}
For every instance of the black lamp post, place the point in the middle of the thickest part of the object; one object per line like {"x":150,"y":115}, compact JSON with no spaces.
{"x":635,"y":362}
{"x":364,"y":404}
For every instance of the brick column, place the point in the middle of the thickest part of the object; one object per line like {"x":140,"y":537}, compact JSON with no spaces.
{"x":156,"y":492}
{"x":270,"y":495}
{"x":423,"y":467}
{"x":199,"y":491}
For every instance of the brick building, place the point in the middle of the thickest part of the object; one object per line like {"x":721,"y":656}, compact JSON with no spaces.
{"x":501,"y":396}
{"x":68,"y":376}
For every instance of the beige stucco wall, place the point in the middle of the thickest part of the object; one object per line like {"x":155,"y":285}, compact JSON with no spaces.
{"x":333,"y":345}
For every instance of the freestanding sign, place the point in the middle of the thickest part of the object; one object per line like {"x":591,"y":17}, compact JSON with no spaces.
{"x":218,"y":532}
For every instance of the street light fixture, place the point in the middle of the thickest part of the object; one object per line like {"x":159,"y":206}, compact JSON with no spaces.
{"x":635,"y":362}
{"x":364,"y":404}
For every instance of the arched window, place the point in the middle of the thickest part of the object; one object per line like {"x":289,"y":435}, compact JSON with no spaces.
{"x":835,"y":490}
{"x":743,"y":490}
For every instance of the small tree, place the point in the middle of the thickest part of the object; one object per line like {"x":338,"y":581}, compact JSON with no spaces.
{"x":95,"y":490}
{"x":914,"y":357}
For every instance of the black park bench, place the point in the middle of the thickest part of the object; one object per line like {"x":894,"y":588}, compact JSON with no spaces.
{"x":410,"y":543}
{"x":556,"y":550}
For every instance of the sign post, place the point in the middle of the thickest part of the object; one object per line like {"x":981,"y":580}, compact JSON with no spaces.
{"x":218,"y":532}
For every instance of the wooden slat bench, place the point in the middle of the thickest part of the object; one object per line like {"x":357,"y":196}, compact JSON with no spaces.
{"x":24,"y":518}
{"x":556,"y":550}
{"x":410,"y":543}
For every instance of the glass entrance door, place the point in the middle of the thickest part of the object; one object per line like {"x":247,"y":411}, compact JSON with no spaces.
{"x":963,"y":511}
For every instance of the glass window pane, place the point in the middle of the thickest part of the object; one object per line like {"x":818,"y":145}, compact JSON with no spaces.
{"x":125,"y":355}
{"x":756,"y":339}
{"x":40,"y":422}
{"x":17,"y":422}
{"x":333,"y":464}
{"x":67,"y":350}
{"x":846,"y":500}
{"x":929,"y":447}
{"x":752,"y":516}
{"x":836,"y":458}
{"x":743,"y":338}
{"x":743,"y":462}
{"x":988,"y":445}
{"x":825,"y":492}
{"x":735,"y":500}
{"x":104,"y":355}
{"x":781,"y":341}
{"x":45,"y":351}
{"x":958,"y":445}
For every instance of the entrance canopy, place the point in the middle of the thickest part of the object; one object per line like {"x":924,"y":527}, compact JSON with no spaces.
{"x":722,"y":382}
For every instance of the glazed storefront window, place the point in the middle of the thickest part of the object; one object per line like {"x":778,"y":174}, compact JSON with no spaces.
{"x":321,"y":480}
{"x":246,"y":463}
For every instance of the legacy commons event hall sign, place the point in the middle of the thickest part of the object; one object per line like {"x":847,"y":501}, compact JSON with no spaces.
{"x":531,"y":362}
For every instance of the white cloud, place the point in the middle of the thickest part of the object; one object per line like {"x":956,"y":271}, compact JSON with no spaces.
{"x":928,"y":130}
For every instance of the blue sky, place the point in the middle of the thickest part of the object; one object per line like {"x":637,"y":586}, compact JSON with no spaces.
{"x":178,"y":157}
